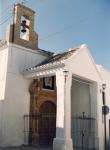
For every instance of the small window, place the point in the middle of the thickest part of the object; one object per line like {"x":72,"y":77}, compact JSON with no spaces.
{"x":48,"y":83}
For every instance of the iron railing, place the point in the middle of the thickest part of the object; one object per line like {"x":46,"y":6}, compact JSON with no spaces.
{"x":39,"y":129}
{"x":83,"y":132}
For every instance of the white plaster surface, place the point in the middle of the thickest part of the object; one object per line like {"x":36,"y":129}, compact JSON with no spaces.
{"x":80,"y":99}
{"x":3,"y":71}
{"x":82,"y":65}
{"x":16,"y":97}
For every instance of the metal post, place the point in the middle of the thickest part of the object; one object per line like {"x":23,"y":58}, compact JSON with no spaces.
{"x":83,"y":116}
{"x":104,"y":103}
{"x":105,"y":131}
{"x":104,"y":122}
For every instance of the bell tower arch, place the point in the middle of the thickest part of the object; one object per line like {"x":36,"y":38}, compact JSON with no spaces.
{"x":22,"y":31}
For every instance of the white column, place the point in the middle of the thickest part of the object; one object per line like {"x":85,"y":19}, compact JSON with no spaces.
{"x":63,"y":139}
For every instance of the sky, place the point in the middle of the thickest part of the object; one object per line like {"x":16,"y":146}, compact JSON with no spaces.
{"x":64,"y":24}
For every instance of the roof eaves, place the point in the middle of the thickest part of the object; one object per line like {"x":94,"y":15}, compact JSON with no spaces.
{"x":57,"y":58}
{"x":44,"y":67}
{"x":45,"y":52}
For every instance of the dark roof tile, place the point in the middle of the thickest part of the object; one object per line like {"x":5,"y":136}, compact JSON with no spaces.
{"x":56,"y":58}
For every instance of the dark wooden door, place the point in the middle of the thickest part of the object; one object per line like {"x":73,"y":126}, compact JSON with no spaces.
{"x":47,"y":123}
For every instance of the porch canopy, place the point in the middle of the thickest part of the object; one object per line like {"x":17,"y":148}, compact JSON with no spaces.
{"x":74,"y":63}
{"x":78,"y":61}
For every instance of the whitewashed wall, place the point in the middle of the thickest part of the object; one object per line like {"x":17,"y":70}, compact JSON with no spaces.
{"x":17,"y":98}
{"x":82,"y":66}
{"x":3,"y":71}
{"x":80,"y":99}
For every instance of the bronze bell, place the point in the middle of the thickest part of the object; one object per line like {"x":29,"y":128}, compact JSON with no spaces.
{"x":23,"y":24}
{"x":23,"y":30}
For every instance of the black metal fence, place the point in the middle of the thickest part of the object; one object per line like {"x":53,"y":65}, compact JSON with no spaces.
{"x":83,"y":132}
{"x":39,"y":129}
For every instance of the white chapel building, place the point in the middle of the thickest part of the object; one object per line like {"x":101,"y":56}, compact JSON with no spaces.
{"x":60,"y":100}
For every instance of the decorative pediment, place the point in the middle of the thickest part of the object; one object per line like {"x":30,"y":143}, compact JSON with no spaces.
{"x":82,"y":64}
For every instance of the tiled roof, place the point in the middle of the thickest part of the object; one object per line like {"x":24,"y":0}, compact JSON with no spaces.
{"x":55,"y":59}
{"x":46,"y":52}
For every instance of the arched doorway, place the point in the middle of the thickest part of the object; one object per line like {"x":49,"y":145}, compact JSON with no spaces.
{"x":47,"y":123}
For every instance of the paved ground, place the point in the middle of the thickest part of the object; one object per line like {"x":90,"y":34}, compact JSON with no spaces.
{"x":26,"y":148}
